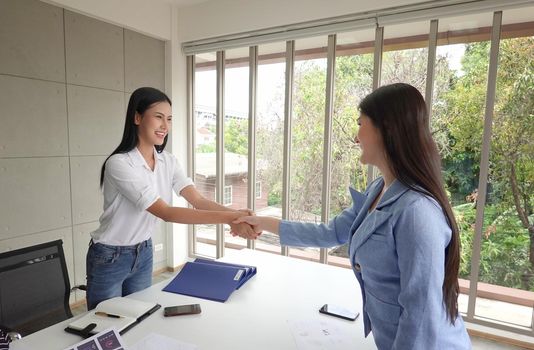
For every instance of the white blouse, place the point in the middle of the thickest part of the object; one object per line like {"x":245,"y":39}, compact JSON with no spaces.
{"x":130,"y":187}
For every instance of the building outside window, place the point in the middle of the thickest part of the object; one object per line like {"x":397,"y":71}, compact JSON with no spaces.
{"x":227,"y":195}
{"x":258,"y":189}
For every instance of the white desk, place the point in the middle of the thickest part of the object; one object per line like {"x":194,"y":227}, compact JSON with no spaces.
{"x":254,"y":317}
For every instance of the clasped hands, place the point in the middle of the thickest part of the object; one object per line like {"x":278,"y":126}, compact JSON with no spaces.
{"x":242,"y":227}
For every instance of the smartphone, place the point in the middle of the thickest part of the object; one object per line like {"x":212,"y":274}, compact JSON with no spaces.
{"x":181,"y":310}
{"x":337,"y":311}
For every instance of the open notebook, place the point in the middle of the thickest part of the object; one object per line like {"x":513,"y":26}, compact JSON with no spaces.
{"x":119,"y":313}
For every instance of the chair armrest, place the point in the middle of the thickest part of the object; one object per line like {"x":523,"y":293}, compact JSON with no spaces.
{"x":12,"y":336}
{"x":80,"y":287}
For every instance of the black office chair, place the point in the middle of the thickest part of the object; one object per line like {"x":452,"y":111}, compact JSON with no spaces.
{"x":34,"y":287}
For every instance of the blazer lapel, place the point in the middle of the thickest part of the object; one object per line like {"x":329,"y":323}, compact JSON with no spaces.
{"x":366,"y":223}
{"x":358,"y":199}
{"x":393,"y":193}
{"x":363,"y":202}
{"x":369,"y":225}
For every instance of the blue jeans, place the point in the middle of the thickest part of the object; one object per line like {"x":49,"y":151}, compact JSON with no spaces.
{"x":114,"y":271}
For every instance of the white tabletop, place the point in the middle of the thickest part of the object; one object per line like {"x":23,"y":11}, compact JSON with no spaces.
{"x":257,"y":316}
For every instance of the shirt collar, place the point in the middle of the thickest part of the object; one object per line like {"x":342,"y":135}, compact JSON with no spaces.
{"x":138,"y":160}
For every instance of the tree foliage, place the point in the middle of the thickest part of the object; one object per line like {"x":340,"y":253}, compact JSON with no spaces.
{"x":507,"y":256}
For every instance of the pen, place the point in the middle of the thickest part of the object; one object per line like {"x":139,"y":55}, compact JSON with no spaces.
{"x":101,"y":313}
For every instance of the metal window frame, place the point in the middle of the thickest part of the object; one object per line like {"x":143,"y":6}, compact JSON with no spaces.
{"x":377,"y":77}
{"x":484,"y":161}
{"x":191,"y":137}
{"x":327,"y":138}
{"x":288,"y":111}
{"x":252,"y":96}
{"x":431,"y":65}
{"x":219,"y":149}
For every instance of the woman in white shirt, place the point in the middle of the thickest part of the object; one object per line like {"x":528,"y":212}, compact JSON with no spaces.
{"x":137,"y":180}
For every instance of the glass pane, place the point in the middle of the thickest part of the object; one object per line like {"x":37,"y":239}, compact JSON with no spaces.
{"x":236,"y":96}
{"x":460,"y":85}
{"x":405,"y":54}
{"x":306,"y":175}
{"x":353,"y":81}
{"x":205,"y":162}
{"x":507,"y":256}
{"x":270,"y":137}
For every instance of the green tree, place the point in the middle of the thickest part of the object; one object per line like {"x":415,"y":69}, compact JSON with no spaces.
{"x":511,"y":175}
{"x":236,"y":136}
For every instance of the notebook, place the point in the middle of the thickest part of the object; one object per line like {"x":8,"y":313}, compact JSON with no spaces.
{"x":119,"y":313}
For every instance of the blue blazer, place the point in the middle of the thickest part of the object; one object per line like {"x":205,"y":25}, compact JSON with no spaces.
{"x":397,"y":252}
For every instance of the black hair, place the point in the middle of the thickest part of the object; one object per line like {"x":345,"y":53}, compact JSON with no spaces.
{"x":140,"y":100}
{"x":400,"y":114}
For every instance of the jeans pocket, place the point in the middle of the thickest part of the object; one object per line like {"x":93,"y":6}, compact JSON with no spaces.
{"x":103,"y":254}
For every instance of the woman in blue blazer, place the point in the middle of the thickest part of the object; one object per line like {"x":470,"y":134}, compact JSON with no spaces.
{"x":403,"y":239}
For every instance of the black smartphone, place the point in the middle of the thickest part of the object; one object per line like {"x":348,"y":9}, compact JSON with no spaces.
{"x":337,"y":311}
{"x":181,"y":310}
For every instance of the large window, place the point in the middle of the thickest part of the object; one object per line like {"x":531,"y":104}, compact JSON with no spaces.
{"x":496,"y":230}
{"x":507,"y":254}
{"x":457,"y":123}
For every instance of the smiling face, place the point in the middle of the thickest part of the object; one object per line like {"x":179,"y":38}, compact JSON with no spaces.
{"x":154,"y":124}
{"x":370,"y":141}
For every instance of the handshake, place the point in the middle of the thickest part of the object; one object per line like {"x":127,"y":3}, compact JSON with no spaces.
{"x":246,"y":225}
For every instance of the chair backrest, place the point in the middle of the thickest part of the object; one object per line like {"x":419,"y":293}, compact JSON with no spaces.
{"x":34,"y":287}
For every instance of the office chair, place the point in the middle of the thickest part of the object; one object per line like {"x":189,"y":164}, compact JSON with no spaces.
{"x":34,"y":287}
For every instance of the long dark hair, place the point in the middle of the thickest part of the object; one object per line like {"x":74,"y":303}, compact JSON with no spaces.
{"x":399,"y":112}
{"x":140,"y":100}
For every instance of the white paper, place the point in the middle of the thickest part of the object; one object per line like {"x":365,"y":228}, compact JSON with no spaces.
{"x":155,"y":341}
{"x":108,"y":339}
{"x":319,"y":335}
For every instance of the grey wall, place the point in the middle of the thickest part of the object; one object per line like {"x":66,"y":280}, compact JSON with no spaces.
{"x":65,"y":80}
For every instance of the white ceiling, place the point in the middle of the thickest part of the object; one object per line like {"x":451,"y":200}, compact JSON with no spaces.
{"x":466,"y":22}
{"x":184,"y":3}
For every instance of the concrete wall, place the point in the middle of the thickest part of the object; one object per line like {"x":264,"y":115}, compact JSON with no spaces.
{"x":65,"y":80}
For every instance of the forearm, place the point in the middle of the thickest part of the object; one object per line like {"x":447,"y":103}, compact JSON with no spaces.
{"x":192,"y":216}
{"x":198,"y":216}
{"x":270,"y":224}
{"x":206,"y":204}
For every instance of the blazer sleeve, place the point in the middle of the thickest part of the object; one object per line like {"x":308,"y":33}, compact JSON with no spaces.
{"x":421,"y":235}
{"x":335,"y":233}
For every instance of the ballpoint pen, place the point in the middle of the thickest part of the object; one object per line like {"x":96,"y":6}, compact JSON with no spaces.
{"x":101,"y":313}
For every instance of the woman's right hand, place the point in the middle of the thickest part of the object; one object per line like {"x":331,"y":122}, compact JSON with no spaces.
{"x":253,"y":221}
